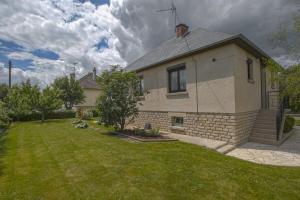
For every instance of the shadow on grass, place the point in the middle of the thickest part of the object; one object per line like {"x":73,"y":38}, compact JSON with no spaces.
{"x":2,"y":150}
{"x":51,"y":121}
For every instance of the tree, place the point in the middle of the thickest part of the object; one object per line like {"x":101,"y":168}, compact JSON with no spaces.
{"x":17,"y":100}
{"x":4,"y":119}
{"x":47,"y":101}
{"x":118,"y":100}
{"x":71,"y":93}
{"x":3,"y":91}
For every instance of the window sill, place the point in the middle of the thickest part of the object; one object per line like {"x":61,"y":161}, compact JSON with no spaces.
{"x":251,"y":81}
{"x":177,"y":94}
{"x":177,"y":128}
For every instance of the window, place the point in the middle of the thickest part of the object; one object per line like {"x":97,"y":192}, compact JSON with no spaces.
{"x":177,"y":121}
{"x":250,"y":69}
{"x":141,"y":86}
{"x":177,"y":79}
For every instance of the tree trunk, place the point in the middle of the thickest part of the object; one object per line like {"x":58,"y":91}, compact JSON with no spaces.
{"x":122,"y":124}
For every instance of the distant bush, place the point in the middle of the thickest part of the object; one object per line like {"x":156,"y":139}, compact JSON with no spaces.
{"x":88,"y":114}
{"x":4,"y":119}
{"x":34,"y":116}
{"x":288,"y":124}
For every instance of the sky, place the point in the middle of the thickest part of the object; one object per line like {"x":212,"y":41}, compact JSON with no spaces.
{"x":46,"y":39}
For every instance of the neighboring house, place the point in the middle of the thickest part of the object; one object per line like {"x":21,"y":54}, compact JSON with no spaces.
{"x":91,"y":90}
{"x":206,"y":84}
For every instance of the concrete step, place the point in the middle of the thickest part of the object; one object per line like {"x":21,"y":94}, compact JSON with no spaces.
{"x":263,"y":141}
{"x":226,"y":149}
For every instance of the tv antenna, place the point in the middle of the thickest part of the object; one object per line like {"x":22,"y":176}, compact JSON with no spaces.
{"x":173,"y":12}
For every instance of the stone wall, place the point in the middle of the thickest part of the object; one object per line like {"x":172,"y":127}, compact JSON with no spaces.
{"x":232,"y":128}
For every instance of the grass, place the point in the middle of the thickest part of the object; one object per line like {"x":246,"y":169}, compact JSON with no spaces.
{"x":56,"y":161}
{"x":297,"y":122}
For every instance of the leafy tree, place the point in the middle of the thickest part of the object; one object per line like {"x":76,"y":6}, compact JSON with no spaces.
{"x":118,"y":100}
{"x":4,"y":119}
{"x":71,"y":92}
{"x":3,"y":91}
{"x":17,"y":100}
{"x":46,"y":101}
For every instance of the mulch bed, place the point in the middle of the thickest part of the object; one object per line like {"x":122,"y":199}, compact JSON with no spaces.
{"x":131,"y":135}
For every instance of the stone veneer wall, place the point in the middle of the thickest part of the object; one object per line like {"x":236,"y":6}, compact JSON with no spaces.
{"x":233,"y":128}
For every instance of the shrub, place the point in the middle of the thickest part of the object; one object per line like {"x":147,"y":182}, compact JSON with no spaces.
{"x":4,"y":119}
{"x":77,"y":121}
{"x":288,"y":124}
{"x":147,"y":133}
{"x":88,"y":114}
{"x":95,"y":113}
{"x":82,"y":125}
{"x":34,"y":116}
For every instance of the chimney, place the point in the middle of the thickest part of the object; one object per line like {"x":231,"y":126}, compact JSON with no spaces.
{"x":94,"y":73}
{"x":9,"y":73}
{"x":181,"y":30}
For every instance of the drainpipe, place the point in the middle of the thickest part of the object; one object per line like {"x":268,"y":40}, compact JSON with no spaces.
{"x":196,"y":80}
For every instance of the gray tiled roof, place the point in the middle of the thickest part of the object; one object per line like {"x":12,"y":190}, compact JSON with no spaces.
{"x":87,"y":82}
{"x":197,"y":39}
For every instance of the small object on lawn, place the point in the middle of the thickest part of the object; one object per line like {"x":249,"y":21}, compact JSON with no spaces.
{"x":147,"y":126}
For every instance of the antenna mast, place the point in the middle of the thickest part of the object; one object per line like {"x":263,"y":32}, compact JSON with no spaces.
{"x":173,"y":12}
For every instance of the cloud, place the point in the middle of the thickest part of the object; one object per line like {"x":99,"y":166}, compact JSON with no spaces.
{"x":67,"y":28}
{"x":73,"y":30}
{"x":256,"y":19}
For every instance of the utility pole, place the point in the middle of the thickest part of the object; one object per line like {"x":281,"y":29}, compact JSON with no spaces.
{"x":9,"y":73}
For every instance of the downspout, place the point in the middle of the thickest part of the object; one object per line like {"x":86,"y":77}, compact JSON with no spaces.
{"x":196,"y":80}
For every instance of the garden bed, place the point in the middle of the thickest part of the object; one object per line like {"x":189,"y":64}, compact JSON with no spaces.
{"x":131,"y":134}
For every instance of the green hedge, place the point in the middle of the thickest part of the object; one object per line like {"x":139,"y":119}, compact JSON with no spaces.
{"x":35,"y":116}
{"x":288,"y":124}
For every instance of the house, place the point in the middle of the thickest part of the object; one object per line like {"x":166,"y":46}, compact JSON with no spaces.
{"x":208,"y":84}
{"x":91,"y":90}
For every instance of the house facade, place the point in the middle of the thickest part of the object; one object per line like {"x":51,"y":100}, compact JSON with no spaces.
{"x":91,"y":90}
{"x":205,"y":84}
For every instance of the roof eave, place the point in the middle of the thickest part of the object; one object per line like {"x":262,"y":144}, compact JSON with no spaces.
{"x":255,"y":50}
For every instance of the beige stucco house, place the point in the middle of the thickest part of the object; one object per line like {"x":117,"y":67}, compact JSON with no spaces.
{"x":207,"y":84}
{"x":91,"y":90}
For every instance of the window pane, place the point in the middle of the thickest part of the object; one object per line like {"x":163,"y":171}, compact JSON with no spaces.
{"x":174,"y":80}
{"x":177,"y":121}
{"x":182,"y":76}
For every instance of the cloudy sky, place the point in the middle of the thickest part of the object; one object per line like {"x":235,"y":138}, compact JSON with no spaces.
{"x":46,"y":38}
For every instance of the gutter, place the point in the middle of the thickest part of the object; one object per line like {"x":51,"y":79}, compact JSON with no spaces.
{"x":233,"y":39}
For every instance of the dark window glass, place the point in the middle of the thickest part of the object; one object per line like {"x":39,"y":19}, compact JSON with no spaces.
{"x":250,"y":69}
{"x":177,"y":121}
{"x":177,"y":79}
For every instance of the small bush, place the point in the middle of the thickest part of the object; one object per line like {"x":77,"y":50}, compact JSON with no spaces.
{"x":4,"y":119}
{"x":87,"y":115}
{"x":288,"y":124}
{"x":147,"y":133}
{"x":82,"y":125}
{"x":77,"y":121}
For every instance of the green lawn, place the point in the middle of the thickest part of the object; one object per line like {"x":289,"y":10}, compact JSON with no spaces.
{"x":297,"y":122}
{"x":56,"y":161}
